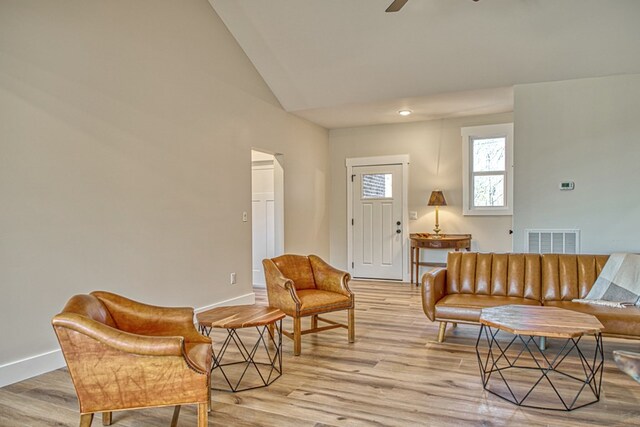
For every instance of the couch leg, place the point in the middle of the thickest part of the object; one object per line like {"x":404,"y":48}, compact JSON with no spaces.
{"x":543,"y":344}
{"x":297,"y":337}
{"x":85,"y":420}
{"x":203,"y":415}
{"x":106,"y":418}
{"x":352,"y":325}
{"x":443,"y":327}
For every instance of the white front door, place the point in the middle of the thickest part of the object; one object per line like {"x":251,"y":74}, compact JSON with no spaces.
{"x":377,"y":222}
{"x":263,"y":228}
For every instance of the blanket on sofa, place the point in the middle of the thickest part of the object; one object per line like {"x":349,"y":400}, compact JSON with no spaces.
{"x":618,"y":285}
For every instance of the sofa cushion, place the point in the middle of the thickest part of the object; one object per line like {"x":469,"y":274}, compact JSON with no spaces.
{"x":502,"y":275}
{"x":467,"y":307}
{"x":616,"y":321}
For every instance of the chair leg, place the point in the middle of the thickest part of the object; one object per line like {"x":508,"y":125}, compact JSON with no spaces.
{"x":443,"y":328}
{"x":297,"y":337}
{"x":85,"y":420}
{"x":314,"y":321}
{"x":352,"y":325}
{"x":176,"y":414}
{"x":203,"y":415}
{"x":454,"y":325}
{"x":106,"y":418}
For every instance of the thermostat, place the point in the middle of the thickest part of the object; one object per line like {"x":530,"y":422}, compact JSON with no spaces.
{"x":567,"y":185}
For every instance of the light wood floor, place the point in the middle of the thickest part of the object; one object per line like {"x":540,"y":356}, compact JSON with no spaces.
{"x":395,"y":374}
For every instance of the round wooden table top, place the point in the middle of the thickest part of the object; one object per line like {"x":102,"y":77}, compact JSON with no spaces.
{"x":240,"y":316}
{"x":540,"y":321}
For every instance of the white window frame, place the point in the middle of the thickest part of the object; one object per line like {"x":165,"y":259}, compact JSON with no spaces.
{"x":503,"y":130}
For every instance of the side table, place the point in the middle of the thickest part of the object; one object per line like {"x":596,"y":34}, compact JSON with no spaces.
{"x":430,"y":241}
{"x":260,"y":361}
{"x":518,"y":371}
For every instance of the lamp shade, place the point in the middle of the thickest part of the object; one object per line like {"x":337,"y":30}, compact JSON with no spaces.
{"x":437,"y":199}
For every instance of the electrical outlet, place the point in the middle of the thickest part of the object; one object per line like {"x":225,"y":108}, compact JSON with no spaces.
{"x":232,"y":279}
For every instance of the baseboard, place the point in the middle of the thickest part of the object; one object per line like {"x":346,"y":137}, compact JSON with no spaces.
{"x":30,"y":367}
{"x":21,"y":370}
{"x":249,"y":298}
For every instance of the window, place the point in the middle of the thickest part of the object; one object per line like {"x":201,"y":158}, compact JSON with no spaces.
{"x":377,"y":186}
{"x":487,"y":185}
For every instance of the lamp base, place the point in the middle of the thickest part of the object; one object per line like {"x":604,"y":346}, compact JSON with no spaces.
{"x":437,"y":234}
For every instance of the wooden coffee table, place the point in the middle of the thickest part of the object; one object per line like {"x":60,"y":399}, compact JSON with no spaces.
{"x":268,"y":347}
{"x":517,"y":370}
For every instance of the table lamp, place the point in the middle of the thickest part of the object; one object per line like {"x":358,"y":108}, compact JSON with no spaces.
{"x":437,"y":199}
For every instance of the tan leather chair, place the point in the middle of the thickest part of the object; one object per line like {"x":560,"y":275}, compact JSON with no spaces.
{"x":123,"y":355}
{"x":304,"y":286}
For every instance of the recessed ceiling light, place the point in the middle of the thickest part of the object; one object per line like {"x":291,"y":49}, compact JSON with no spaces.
{"x":405,"y":112}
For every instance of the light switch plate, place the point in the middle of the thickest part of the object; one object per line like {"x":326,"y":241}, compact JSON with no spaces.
{"x":413,"y":215}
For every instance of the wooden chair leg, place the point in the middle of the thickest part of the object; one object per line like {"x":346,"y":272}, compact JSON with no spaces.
{"x":176,"y":415}
{"x":454,"y":325}
{"x":106,"y":418}
{"x":85,"y":420}
{"x":443,"y":328}
{"x":297,"y":337}
{"x":203,"y":415}
{"x":352,"y":325}
{"x":314,"y":321}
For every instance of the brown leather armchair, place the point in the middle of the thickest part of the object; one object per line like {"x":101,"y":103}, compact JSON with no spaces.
{"x":304,"y":286}
{"x":123,"y":354}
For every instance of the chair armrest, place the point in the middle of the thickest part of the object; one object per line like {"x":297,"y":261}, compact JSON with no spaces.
{"x":280,"y":290}
{"x":121,"y":340}
{"x":144,"y":319}
{"x":328,"y":278}
{"x":433,"y":290}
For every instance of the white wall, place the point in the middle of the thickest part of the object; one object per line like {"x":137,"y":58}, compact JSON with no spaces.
{"x":587,"y":131}
{"x":125,"y":161}
{"x":425,"y":142}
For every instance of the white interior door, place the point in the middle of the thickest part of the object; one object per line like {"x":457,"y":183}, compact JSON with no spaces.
{"x":263,"y":229}
{"x":377,"y":222}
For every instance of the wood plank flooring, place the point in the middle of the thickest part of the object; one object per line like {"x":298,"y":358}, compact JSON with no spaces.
{"x":395,"y":374}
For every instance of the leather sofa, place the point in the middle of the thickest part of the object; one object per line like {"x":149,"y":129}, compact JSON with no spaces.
{"x":473,"y":281}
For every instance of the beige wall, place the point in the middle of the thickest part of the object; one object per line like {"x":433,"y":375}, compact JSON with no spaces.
{"x":425,"y":142}
{"x":586,"y":131}
{"x":125,"y":136}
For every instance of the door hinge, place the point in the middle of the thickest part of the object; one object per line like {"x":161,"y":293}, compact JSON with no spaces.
{"x":352,"y":223}
{"x":352,"y":265}
{"x":353,"y":177}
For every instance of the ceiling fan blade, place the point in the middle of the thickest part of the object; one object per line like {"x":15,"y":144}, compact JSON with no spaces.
{"x":396,"y":5}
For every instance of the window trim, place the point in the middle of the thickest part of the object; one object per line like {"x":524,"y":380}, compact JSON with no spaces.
{"x":503,"y":130}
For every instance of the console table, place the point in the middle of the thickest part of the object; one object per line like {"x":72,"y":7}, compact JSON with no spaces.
{"x":430,"y":241}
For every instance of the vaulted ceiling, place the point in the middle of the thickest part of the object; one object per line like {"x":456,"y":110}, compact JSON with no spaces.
{"x":345,"y":63}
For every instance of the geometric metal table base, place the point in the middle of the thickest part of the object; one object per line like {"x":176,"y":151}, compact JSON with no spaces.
{"x":496,"y":366}
{"x":267,"y":372}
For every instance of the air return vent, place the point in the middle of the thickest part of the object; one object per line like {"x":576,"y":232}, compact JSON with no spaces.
{"x":552,"y":241}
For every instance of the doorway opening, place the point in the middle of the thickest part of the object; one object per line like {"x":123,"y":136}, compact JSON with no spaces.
{"x":267,"y":210}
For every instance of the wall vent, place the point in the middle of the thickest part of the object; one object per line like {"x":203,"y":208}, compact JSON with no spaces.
{"x":552,"y":241}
